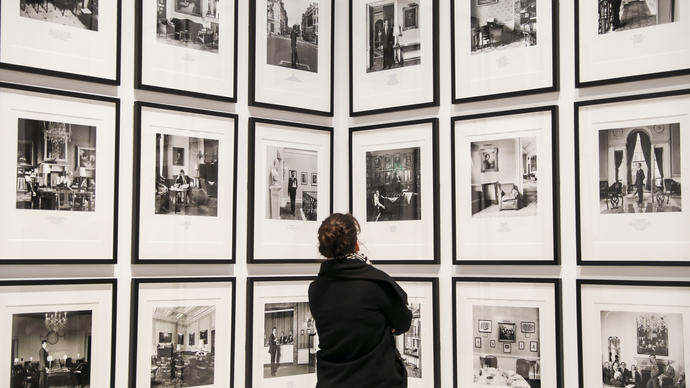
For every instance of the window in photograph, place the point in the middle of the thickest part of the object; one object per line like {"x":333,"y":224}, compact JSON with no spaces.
{"x":410,"y":344}
{"x":623,"y":15}
{"x":186,"y":175}
{"x":393,"y":187}
{"x":290,"y":353}
{"x":287,"y":199}
{"x":502,"y":24}
{"x":81,"y":14}
{"x":639,"y":169}
{"x":393,"y":36}
{"x":56,"y":166}
{"x":192,"y":24}
{"x":292,"y":38}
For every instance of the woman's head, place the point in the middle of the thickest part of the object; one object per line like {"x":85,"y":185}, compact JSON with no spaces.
{"x":338,"y":235}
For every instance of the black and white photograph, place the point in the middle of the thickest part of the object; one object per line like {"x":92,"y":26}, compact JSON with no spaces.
{"x":56,"y":166}
{"x":184,"y":204}
{"x":630,"y":339}
{"x":193,"y":192}
{"x":508,"y":188}
{"x":624,"y":15}
{"x":177,"y":363}
{"x":505,"y":187}
{"x":409,"y":345}
{"x":502,"y":25}
{"x":187,"y":24}
{"x":632,"y":163}
{"x":80,"y":14}
{"x":640,"y":169}
{"x":393,"y":37}
{"x":286,"y":198}
{"x":290,"y":340}
{"x":393,"y":185}
{"x":60,"y":333}
{"x":52,"y":348}
{"x":485,"y":326}
{"x":292,"y":34}
{"x":528,"y":327}
{"x":507,"y":356}
{"x":290,"y":190}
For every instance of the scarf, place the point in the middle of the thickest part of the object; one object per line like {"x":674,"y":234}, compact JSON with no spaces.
{"x":354,"y":256}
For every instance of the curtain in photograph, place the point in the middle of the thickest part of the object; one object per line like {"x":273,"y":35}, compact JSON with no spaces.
{"x":658,"y":155}
{"x":630,"y":150}
{"x":647,"y":152}
{"x":618,"y":160}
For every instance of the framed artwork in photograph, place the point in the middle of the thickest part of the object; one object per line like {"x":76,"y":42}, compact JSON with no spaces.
{"x":63,"y":205}
{"x":527,"y":327}
{"x":291,"y":55}
{"x":477,"y":342}
{"x":282,"y":214}
{"x":635,"y":326}
{"x":393,"y":55}
{"x":58,"y":331}
{"x":197,"y":308}
{"x":81,"y":39}
{"x":484,"y":326}
{"x":187,"y":47}
{"x":614,"y":41}
{"x":396,"y":203}
{"x":506,"y":301}
{"x":505,"y":206}
{"x":185,"y":177}
{"x":280,"y":322}
{"x":631,"y":160}
{"x":503,"y":48}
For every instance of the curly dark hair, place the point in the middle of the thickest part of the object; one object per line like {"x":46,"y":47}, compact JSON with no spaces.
{"x":338,"y":235}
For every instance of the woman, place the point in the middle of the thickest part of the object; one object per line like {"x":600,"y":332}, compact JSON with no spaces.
{"x":358,"y":309}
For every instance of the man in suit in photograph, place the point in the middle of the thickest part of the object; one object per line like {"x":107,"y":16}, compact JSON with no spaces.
{"x":293,"y":46}
{"x":654,"y":373}
{"x":43,"y":365}
{"x":639,"y":183}
{"x":274,"y":351}
{"x":387,"y":41}
{"x":616,"y":10}
{"x":292,"y":190}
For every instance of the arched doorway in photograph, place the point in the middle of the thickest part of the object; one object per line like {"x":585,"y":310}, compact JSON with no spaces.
{"x":638,"y":149}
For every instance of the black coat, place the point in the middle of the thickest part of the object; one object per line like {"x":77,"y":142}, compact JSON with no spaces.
{"x":355,"y":306}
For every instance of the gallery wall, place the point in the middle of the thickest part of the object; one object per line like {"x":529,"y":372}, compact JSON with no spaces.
{"x":568,"y":270}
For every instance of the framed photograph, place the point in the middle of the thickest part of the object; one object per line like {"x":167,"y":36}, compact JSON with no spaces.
{"x":419,"y":347}
{"x":533,"y":346}
{"x":633,"y":328}
{"x":198,"y":308}
{"x":477,"y":342}
{"x":485,"y":326}
{"x":393,"y":55}
{"x":506,"y":301}
{"x":282,"y":215}
{"x":82,"y":39}
{"x":527,"y":327}
{"x":397,"y":206}
{"x":503,"y":48}
{"x":629,"y":198}
{"x":291,"y":55}
{"x":187,"y":47}
{"x":58,"y":331}
{"x":278,"y":309}
{"x":54,"y":189}
{"x":184,"y":208}
{"x":305,"y":179}
{"x":614,"y":39}
{"x":505,"y":205}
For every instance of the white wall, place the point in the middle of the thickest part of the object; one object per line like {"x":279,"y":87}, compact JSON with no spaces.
{"x":568,"y":270}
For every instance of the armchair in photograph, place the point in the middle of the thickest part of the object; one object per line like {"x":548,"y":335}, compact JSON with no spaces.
{"x":166,"y":28}
{"x":614,"y":195}
{"x":508,"y":196}
{"x":522,"y":367}
{"x":491,"y":362}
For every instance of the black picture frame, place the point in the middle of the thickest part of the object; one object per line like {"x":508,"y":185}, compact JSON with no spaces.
{"x":75,"y":76}
{"x":252,"y":68}
{"x":435,"y":185}
{"x":83,"y":96}
{"x":578,"y":223}
{"x":251,"y":155}
{"x":136,"y":184}
{"x":134,"y":319}
{"x":435,"y":70}
{"x":608,"y":282}
{"x":609,"y":81}
{"x":138,"y":56}
{"x":557,"y":309}
{"x":555,"y":65}
{"x":76,"y":282}
{"x":555,"y":186}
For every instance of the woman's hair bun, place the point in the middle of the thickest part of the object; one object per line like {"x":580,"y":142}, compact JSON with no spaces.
{"x":338,"y":235}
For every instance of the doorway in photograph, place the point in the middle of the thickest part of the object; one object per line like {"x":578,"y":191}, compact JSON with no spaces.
{"x":623,"y":15}
{"x":290,"y":340}
{"x":186,"y":176}
{"x":287,"y":198}
{"x":506,"y":366}
{"x":81,"y":14}
{"x":504,"y":177}
{"x":292,"y":34}
{"x":56,"y":166}
{"x":502,"y":24}
{"x":393,"y":185}
{"x":409,"y":345}
{"x":639,"y":169}
{"x":176,"y":363}
{"x":638,"y":347}
{"x":191,"y":24}
{"x":393,"y":34}
{"x":59,"y":341}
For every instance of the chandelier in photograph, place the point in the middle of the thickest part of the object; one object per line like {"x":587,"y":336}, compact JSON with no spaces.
{"x":56,"y":321}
